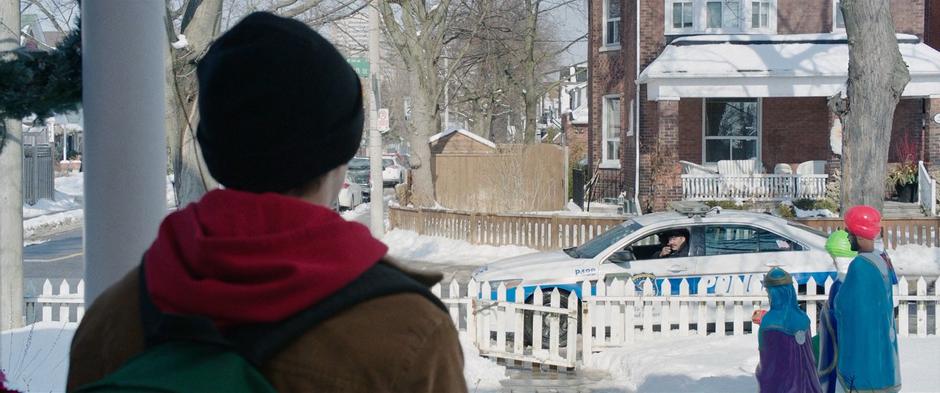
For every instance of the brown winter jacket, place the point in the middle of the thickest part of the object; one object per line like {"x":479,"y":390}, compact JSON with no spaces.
{"x":397,"y":343}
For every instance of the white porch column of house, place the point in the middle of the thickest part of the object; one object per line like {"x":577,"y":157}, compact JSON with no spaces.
{"x":125,"y":141}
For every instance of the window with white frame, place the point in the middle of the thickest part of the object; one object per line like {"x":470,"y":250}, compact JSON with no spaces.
{"x":721,"y":16}
{"x":838,"y":20}
{"x":732,"y":129}
{"x":610,"y":148}
{"x":682,"y":15}
{"x":760,"y":14}
{"x":612,"y":23}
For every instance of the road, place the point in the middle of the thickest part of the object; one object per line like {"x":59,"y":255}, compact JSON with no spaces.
{"x":59,"y":258}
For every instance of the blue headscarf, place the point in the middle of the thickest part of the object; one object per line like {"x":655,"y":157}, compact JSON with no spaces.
{"x":785,"y":314}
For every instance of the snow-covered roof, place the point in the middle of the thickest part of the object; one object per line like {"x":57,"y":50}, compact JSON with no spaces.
{"x":438,"y":136}
{"x":796,"y":65}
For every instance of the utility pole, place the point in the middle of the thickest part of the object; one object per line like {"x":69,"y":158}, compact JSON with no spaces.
{"x":446,"y":94}
{"x":11,"y":189}
{"x":123,"y":90}
{"x":377,"y":203}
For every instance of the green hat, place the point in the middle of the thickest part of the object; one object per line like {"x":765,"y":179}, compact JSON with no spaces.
{"x":777,"y":277}
{"x":839,"y":245}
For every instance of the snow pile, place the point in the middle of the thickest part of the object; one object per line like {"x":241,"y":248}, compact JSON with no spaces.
{"x":180,"y":43}
{"x":36,"y":358}
{"x":68,"y":196}
{"x":914,"y":260}
{"x":727,"y":364}
{"x":408,"y":245}
{"x":800,"y":213}
{"x":66,"y":210}
{"x":49,"y":222}
{"x":695,"y":364}
{"x":359,"y":214}
{"x":481,"y":374}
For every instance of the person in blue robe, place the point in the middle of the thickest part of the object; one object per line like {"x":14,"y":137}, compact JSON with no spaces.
{"x":787,"y":364}
{"x":867,"y":349}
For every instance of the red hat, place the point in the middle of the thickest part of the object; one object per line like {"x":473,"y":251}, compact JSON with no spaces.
{"x":863,"y":221}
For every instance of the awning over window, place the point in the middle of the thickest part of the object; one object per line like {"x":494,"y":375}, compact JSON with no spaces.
{"x":801,"y":65}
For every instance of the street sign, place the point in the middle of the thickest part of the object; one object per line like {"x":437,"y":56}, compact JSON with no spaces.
{"x":361,"y":65}
{"x":383,"y":120}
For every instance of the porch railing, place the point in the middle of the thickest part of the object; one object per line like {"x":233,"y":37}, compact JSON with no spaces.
{"x":926,"y":190}
{"x":760,"y":187}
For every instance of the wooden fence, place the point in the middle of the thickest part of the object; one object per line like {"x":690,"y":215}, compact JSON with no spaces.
{"x":543,"y":232}
{"x":515,"y":178}
{"x":533,"y":231}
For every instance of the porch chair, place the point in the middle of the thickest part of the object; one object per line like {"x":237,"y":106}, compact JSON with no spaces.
{"x":783,"y":169}
{"x":809,"y":187}
{"x":740,"y":167}
{"x":690,"y":168}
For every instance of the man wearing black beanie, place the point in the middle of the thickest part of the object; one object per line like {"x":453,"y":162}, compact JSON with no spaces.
{"x":263,"y":268}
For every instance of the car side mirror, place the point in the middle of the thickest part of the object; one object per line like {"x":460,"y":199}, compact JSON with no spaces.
{"x":623,"y":256}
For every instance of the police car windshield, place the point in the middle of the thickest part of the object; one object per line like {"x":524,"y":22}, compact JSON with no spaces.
{"x":605,"y":240}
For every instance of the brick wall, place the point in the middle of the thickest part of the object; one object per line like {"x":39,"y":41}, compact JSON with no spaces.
{"x":690,"y":130}
{"x":908,"y":16}
{"x":933,"y":133}
{"x":932,"y":24}
{"x":909,"y":124}
{"x":794,"y":130}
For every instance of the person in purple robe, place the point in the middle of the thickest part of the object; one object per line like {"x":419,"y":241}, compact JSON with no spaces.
{"x":787,"y":363}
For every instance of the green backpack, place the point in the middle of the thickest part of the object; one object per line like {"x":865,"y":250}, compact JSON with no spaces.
{"x":188,"y":354}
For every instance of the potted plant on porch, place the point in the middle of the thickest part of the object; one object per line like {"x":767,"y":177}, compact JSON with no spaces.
{"x":903,"y":177}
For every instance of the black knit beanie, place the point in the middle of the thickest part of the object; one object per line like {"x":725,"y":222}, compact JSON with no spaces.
{"x":278,"y":105}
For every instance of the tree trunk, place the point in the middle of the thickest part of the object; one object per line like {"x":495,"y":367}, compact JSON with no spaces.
{"x":426,"y":118}
{"x":11,"y":191}
{"x":191,"y":177}
{"x":877,"y":77}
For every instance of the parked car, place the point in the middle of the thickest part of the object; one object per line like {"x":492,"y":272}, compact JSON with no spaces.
{"x":394,"y":170}
{"x":350,"y":195}
{"x":722,"y":245}
{"x":358,"y":172}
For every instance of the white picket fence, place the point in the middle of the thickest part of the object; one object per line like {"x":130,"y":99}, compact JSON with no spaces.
{"x":619,"y":312}
{"x":615,"y":312}
{"x":68,"y":306}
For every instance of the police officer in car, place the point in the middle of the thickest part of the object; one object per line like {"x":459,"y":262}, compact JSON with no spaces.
{"x":675,"y":244}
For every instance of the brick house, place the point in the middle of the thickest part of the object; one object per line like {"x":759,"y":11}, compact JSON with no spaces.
{"x":680,"y":88}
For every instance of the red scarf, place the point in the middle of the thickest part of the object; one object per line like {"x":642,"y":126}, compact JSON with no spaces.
{"x":239,"y":257}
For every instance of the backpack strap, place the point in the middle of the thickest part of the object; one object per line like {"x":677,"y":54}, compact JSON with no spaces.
{"x":260,"y":342}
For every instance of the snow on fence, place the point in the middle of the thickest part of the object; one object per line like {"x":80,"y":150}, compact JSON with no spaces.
{"x":64,"y":306}
{"x":556,"y":232}
{"x":508,"y":324}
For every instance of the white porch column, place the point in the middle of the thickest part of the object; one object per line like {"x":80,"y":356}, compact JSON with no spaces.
{"x":125,"y":142}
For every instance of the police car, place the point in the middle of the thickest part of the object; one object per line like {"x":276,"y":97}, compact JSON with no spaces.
{"x":720,"y":245}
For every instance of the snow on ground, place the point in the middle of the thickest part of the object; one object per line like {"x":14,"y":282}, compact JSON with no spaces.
{"x":66,"y":210}
{"x":727,"y":364}
{"x":50,"y":222}
{"x":35,"y":359}
{"x":408,"y":245}
{"x":914,"y":260}
{"x":482,"y":375}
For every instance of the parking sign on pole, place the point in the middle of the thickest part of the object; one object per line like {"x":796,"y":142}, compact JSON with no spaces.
{"x":383,"y":120}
